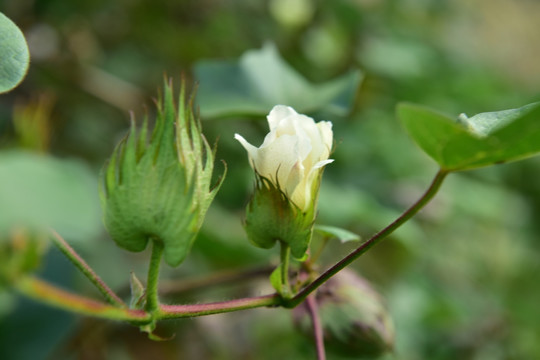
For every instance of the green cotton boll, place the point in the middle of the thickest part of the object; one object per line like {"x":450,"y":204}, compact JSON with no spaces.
{"x":272,"y":217}
{"x":160,"y":189}
{"x":354,"y":317}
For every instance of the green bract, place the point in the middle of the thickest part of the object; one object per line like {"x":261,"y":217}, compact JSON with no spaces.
{"x":272,"y":217}
{"x":160,"y":189}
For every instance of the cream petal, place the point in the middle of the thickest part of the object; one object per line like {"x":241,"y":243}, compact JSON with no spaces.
{"x":277,"y":160}
{"x":312,"y":134}
{"x":269,"y":138}
{"x":252,"y":150}
{"x":278,"y":113}
{"x":327,"y":136}
{"x":305,"y":144}
{"x":302,"y":194}
{"x":321,"y":163}
{"x":305,"y":188}
{"x":294,"y":180}
{"x":299,"y":197}
{"x":293,"y":153}
{"x":308,"y":124}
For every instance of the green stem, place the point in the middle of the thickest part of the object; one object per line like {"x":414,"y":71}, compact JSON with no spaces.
{"x":181,"y":311}
{"x":404,"y":217}
{"x":87,"y":271}
{"x":49,"y":294}
{"x":285,"y":255}
{"x":152,"y":301}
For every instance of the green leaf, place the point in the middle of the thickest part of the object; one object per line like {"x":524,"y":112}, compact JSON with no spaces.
{"x":336,"y":232}
{"x":275,"y":279}
{"x":261,"y":79}
{"x":481,"y":140}
{"x":15,"y":57}
{"x":38,"y":192}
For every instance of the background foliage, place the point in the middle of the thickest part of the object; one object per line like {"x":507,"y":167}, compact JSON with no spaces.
{"x":461,"y":279}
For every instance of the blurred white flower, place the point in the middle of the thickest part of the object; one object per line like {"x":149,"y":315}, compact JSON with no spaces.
{"x":293,"y":154}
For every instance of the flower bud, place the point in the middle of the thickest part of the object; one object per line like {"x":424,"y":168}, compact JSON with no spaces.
{"x":288,"y":167}
{"x":353,"y":315}
{"x":160,"y":188}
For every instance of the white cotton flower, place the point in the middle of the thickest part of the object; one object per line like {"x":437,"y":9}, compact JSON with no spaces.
{"x":293,"y":153}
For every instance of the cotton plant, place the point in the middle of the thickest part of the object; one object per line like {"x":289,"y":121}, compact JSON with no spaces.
{"x":157,"y":187}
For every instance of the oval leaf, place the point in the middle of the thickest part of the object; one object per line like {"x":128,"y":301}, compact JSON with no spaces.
{"x":15,"y":56}
{"x":482,"y":140}
{"x":336,"y":232}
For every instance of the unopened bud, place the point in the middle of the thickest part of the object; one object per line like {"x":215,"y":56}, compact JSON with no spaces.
{"x":354,"y":317}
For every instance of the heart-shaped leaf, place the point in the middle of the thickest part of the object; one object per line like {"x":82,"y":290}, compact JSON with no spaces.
{"x":481,"y":140}
{"x":14,"y":58}
{"x":261,"y":79}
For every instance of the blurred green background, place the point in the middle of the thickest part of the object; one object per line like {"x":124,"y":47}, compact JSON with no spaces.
{"x":461,"y":279}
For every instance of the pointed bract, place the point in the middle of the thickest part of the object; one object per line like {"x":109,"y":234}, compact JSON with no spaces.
{"x":160,"y":189}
